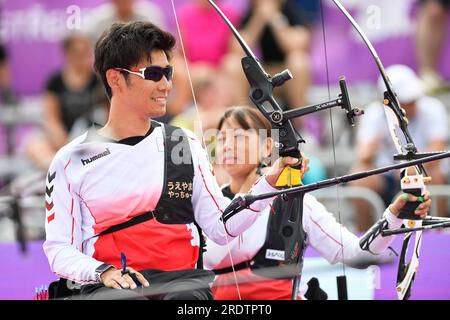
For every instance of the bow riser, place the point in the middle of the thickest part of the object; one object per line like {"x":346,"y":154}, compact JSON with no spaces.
{"x":261,"y":89}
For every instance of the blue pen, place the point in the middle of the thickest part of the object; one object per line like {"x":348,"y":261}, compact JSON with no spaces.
{"x":125,"y":271}
{"x":124,"y":262}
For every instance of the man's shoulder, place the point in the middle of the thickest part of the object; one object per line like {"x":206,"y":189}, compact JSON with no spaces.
{"x":189,"y":133}
{"x":65,"y":153}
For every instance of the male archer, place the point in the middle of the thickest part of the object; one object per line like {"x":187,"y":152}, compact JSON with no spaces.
{"x":123,"y":202}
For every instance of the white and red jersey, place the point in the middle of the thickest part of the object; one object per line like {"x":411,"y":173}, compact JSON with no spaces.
{"x":323,"y":234}
{"x":93,"y":185}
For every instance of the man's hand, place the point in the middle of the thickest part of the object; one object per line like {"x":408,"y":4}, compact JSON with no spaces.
{"x":422,"y":209}
{"x":113,"y":278}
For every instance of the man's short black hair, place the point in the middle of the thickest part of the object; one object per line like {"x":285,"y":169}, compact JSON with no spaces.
{"x":126,"y":44}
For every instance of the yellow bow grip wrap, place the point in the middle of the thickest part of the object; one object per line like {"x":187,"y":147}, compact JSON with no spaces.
{"x":290,"y":176}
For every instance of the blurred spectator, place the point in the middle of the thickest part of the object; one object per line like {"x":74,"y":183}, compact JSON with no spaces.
{"x":428,"y":126}
{"x":206,"y":40}
{"x":276,"y":27}
{"x":310,"y":10}
{"x":430,"y":40}
{"x":212,"y":95}
{"x":206,"y":37}
{"x":123,"y":10}
{"x":70,"y":98}
{"x":6,"y":94}
{"x":134,"y":10}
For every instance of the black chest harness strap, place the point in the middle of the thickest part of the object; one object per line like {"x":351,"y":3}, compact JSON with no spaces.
{"x":174,"y":205}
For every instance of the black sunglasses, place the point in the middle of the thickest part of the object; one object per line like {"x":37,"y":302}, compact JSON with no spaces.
{"x":154,"y":73}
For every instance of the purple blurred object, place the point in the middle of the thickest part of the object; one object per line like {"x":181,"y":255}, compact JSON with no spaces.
{"x":20,"y":275}
{"x":36,"y":27}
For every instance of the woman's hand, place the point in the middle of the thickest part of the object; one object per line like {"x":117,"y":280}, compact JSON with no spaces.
{"x":113,"y":278}
{"x":279,"y":165}
{"x":305,"y":164}
{"x":422,"y":209}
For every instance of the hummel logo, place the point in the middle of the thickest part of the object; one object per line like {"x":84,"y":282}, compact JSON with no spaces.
{"x":96,"y":157}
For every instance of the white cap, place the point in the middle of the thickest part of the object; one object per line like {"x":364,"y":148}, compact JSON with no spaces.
{"x":405,"y":83}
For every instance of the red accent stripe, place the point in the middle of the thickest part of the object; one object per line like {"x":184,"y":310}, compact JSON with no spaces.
{"x":272,"y":210}
{"x":257,"y":180}
{"x":49,"y":206}
{"x":253,"y":210}
{"x":207,"y":189}
{"x":327,"y":234}
{"x":89,"y":209}
{"x":226,"y":230}
{"x":252,"y":188}
{"x":67,"y":164}
{"x":50,"y":218}
{"x":73,"y":220}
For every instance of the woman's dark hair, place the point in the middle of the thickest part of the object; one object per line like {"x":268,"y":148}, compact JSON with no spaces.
{"x":247,"y":118}
{"x":126,"y":44}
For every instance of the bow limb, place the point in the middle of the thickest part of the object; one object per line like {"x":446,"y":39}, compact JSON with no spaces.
{"x":407,"y":272}
{"x":396,"y":117}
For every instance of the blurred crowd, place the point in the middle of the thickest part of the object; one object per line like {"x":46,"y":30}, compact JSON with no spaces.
{"x":208,"y":79}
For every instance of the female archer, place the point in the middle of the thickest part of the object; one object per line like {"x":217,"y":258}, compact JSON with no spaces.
{"x":245,"y":259}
